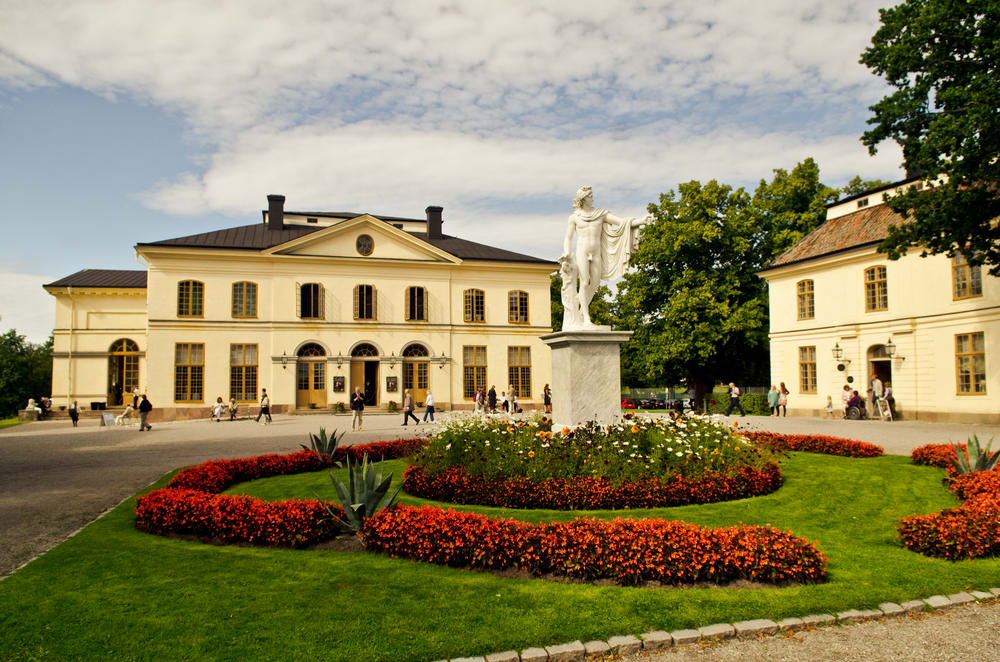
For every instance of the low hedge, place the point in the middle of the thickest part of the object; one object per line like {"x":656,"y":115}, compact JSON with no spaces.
{"x":754,"y":404}
{"x":456,"y":485}
{"x":814,"y":443}
{"x":972,"y":530}
{"x":625,"y":550}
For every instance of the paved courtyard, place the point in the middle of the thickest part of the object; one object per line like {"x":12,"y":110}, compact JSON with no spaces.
{"x":55,"y":479}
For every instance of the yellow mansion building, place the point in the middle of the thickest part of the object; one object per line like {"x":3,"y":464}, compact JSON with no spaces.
{"x":842,"y":312}
{"x":308,"y":305}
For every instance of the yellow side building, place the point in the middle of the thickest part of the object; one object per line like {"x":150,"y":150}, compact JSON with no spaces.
{"x":307,"y":305}
{"x":841,"y":313}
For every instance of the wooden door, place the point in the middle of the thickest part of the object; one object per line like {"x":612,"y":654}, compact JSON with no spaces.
{"x":310,"y":383}
{"x":415,"y":378}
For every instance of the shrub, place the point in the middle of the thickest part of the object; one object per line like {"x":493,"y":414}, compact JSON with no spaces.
{"x":814,"y":443}
{"x":627,"y":551}
{"x":754,"y":404}
{"x":392,"y":407}
{"x":934,"y":455}
{"x":339,"y":408}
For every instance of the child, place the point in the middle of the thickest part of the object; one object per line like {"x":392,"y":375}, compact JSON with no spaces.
{"x":829,"y":407}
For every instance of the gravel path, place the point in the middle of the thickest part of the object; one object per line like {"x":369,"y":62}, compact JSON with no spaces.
{"x":55,"y":479}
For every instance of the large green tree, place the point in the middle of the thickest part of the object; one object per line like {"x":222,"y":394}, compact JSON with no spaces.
{"x":25,"y":371}
{"x":693,"y":299}
{"x":943,"y":59}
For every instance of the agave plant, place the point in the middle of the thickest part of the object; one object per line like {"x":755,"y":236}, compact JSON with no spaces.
{"x":323,"y":445}
{"x":365,"y":495}
{"x":975,"y":457}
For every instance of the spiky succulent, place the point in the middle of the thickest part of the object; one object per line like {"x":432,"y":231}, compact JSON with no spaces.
{"x":365,"y":495}
{"x":323,"y":445}
{"x":974,"y":457}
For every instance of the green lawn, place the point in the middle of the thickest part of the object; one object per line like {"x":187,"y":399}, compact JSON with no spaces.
{"x":9,"y":422}
{"x":113,"y":592}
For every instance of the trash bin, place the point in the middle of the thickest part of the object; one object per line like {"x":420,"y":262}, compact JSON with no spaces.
{"x":98,"y":406}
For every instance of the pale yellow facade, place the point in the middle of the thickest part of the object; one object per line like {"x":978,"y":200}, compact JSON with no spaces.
{"x":930,"y":327}
{"x":337,"y":352}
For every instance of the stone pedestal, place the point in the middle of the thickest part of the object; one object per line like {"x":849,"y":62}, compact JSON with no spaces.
{"x":586,"y":375}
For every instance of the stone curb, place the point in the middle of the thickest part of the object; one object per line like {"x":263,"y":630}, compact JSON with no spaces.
{"x":658,"y":639}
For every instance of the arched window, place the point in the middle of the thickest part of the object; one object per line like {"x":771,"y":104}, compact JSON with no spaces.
{"x":876,"y":290}
{"x":244,"y":299}
{"x":364,"y":302}
{"x":415,"y":349}
{"x":123,"y":371}
{"x":416,"y":304}
{"x":190,"y":298}
{"x":806,"y":300}
{"x":474,"y":305}
{"x":364,"y":349}
{"x":310,"y":301}
{"x":517,"y":307}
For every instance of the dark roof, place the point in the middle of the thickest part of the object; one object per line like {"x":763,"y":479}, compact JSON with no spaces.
{"x":258,"y":237}
{"x":102,"y":278}
{"x":864,"y":227}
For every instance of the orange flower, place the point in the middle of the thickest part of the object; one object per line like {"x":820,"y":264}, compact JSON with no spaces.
{"x":565,"y":431}
{"x":736,"y":424}
{"x":635,"y":429}
{"x":531,"y":453}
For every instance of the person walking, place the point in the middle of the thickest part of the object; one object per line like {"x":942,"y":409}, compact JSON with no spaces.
{"x":429,"y":406}
{"x":145,"y":406}
{"x":265,"y":407}
{"x":772,"y":400}
{"x":74,"y":413}
{"x":782,"y":398}
{"x":547,"y":399}
{"x":408,"y":408}
{"x":491,"y":400}
{"x":358,"y":407}
{"x":504,"y":405}
{"x":734,"y":399}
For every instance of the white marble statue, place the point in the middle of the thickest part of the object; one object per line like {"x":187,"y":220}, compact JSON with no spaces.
{"x":604,"y":243}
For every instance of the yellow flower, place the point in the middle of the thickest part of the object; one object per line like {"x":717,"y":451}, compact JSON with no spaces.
{"x":565,"y":431}
{"x":531,"y":453}
{"x":635,"y":429}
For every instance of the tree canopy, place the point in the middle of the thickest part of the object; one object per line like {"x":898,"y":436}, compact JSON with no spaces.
{"x":693,"y":299}
{"x":25,"y":371}
{"x":943,"y":59}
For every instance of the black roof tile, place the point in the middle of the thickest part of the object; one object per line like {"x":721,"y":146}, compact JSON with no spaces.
{"x":102,"y":278}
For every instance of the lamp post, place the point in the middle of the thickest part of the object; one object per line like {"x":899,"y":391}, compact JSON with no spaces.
{"x":890,"y":347}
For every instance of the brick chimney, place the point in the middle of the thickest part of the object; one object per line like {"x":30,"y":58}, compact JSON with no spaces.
{"x":275,"y":212}
{"x":434,"y":222}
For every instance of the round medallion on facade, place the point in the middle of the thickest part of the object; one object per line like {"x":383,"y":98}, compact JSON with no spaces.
{"x":365,"y":244}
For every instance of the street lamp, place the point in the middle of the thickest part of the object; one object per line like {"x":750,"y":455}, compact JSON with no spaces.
{"x":890,"y":347}
{"x":837,"y":352}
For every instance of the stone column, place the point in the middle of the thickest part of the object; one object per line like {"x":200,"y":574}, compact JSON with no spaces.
{"x":586,"y":375}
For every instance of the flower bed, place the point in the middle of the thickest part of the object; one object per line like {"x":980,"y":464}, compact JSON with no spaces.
{"x":456,"y":485}
{"x":627,"y":551}
{"x":191,"y":505}
{"x":972,"y":530}
{"x":814,"y":443}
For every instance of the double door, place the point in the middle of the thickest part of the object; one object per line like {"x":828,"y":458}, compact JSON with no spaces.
{"x":415,"y":378}
{"x":364,"y":375}
{"x":310,"y":384}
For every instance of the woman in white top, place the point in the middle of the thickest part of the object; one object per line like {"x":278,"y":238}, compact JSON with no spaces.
{"x":429,"y":404}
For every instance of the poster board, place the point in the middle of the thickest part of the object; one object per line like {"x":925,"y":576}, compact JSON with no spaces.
{"x":884,"y":411}
{"x":107,"y":418}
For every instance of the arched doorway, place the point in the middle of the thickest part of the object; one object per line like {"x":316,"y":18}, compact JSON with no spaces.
{"x":123,"y":371}
{"x":310,"y":377}
{"x":364,"y":372}
{"x":415,"y":371}
{"x":879,"y":364}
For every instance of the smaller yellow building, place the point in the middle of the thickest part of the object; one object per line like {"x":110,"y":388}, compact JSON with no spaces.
{"x":309,"y":306}
{"x":842,"y":313}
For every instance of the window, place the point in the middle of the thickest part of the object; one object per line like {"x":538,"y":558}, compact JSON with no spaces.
{"x":189,"y":372}
{"x":517,"y":307}
{"x":365,"y":245}
{"x":364,"y":302}
{"x":970,"y":363}
{"x":244,"y":299}
{"x":473,"y":370}
{"x":243,"y":372}
{"x":310,"y":303}
{"x":863,"y":202}
{"x":475,"y":306}
{"x":807,"y":302}
{"x":876,"y":292}
{"x":807,"y":369}
{"x":966,"y":281}
{"x":416,"y":304}
{"x":519,"y":371}
{"x":190,"y":298}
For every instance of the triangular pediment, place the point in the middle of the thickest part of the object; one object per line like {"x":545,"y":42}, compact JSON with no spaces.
{"x":341,"y":240}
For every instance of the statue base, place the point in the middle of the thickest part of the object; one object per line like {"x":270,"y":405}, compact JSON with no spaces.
{"x":586,"y":375}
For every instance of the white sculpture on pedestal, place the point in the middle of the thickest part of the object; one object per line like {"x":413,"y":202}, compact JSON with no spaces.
{"x":603,"y":246}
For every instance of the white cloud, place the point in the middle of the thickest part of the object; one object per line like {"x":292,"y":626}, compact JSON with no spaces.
{"x":23,"y":308}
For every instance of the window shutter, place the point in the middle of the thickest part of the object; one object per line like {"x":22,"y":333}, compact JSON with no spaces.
{"x":322,"y":301}
{"x":357,"y":292}
{"x":407,"y":304}
{"x":374,"y":303}
{"x":423,"y":304}
{"x":467,"y":305}
{"x":298,"y":299}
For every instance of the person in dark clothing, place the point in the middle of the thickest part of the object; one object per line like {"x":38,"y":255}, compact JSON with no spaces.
{"x":145,"y":406}
{"x":408,"y":407}
{"x":265,"y":407}
{"x":358,"y":407}
{"x":734,"y":399}
{"x":547,"y":399}
{"x":74,"y":413}
{"x":491,"y":400}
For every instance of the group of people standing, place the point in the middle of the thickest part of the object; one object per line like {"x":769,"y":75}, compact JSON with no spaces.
{"x":487,"y":402}
{"x":877,"y":392}
{"x":777,"y":399}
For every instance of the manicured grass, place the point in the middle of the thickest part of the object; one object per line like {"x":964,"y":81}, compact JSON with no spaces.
{"x":113,"y":592}
{"x":9,"y":422}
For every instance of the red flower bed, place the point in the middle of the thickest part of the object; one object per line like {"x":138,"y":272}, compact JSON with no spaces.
{"x":455,"y":485}
{"x":969,"y":531}
{"x":814,"y":443}
{"x":190,"y":504}
{"x":628,"y":551}
{"x":935,"y":455}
